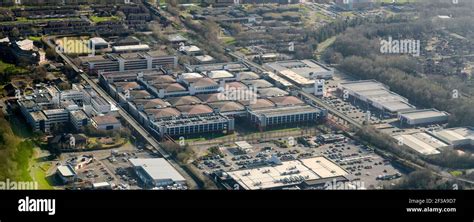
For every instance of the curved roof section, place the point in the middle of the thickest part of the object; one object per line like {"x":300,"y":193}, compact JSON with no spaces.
{"x":248,"y":75}
{"x":209,"y":98}
{"x":202,"y":82}
{"x":272,"y":91}
{"x":195,"y":109}
{"x":183,"y":100}
{"x":260,"y":103}
{"x":127,"y":85}
{"x":227,"y":106}
{"x":259,"y":83}
{"x":173,"y":87}
{"x":140,"y":94}
{"x":235,"y":85}
{"x":163,"y":113}
{"x":151,"y":103}
{"x":160,"y":79}
{"x":286,"y":100}
{"x":220,"y":74}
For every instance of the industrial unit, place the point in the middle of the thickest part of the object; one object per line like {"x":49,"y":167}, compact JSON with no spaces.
{"x":157,"y":172}
{"x":377,"y":96}
{"x":423,"y":117}
{"x":301,"y":173}
{"x":422,"y":143}
{"x":456,"y":137}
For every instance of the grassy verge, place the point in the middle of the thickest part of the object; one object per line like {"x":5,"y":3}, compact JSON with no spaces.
{"x":38,"y":172}
{"x":208,"y":137}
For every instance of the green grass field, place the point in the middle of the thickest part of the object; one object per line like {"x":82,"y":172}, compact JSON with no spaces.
{"x":456,"y":173}
{"x":21,"y":20}
{"x":34,"y":38}
{"x":13,"y":68}
{"x":97,"y":19}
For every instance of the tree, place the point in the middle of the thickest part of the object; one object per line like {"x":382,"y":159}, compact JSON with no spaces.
{"x":51,"y":54}
{"x":64,"y":86}
{"x":172,"y":3}
{"x":40,"y":73}
{"x":423,"y":179}
{"x":121,"y":15}
{"x":15,"y":32}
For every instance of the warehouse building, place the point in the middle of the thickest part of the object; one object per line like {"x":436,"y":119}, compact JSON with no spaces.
{"x":422,"y":143}
{"x":308,"y":76}
{"x":156,"y":172}
{"x":302,"y":173}
{"x":377,"y":96}
{"x":422,"y":117}
{"x":456,"y":137}
{"x":66,"y":174}
{"x":307,"y":68}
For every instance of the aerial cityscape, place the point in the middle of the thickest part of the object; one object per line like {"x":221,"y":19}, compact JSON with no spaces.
{"x":237,"y":94}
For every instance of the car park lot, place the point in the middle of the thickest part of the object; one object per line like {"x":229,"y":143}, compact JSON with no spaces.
{"x":118,"y":163}
{"x":352,"y":111}
{"x":110,"y":166}
{"x":359,"y":161}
